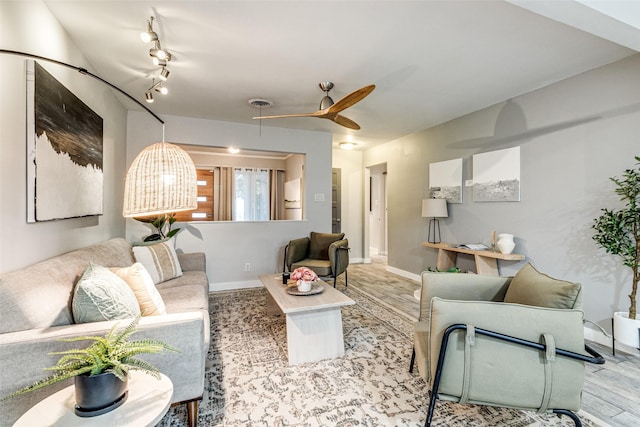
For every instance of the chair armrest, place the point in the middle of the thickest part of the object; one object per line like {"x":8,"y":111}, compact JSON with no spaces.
{"x":460,"y":286}
{"x":296,"y":250}
{"x":339,"y":256}
{"x":193,"y":261}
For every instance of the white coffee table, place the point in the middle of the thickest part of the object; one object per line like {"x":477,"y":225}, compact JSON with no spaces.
{"x":147,"y":403}
{"x":314,"y":322}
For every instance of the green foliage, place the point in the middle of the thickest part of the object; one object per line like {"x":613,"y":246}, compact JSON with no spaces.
{"x":159,"y":222}
{"x":618,"y":230}
{"x":112,"y":353}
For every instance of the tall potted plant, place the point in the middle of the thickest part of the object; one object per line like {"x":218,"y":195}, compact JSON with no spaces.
{"x":101,"y":370}
{"x":618,"y":232}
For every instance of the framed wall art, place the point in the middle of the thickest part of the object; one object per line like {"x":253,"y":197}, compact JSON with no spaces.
{"x":64,"y":151}
{"x":445,"y":180}
{"x":496,"y":176}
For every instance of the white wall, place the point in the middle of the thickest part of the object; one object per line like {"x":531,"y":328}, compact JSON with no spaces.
{"x":352,"y":200}
{"x":573,"y":135}
{"x":30,"y":27}
{"x":229,"y":245}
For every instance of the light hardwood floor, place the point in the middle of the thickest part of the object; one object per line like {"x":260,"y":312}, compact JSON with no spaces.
{"x":611,"y":391}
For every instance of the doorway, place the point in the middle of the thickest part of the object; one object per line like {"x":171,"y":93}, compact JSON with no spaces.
{"x":377,"y":214}
{"x":336,"y":195}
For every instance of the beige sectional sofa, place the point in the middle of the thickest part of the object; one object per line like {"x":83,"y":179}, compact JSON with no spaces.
{"x":35,"y":312}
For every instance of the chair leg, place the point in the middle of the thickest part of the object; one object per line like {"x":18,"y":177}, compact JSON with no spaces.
{"x":413,"y":359}
{"x":346,"y":278}
{"x":569,"y":414}
{"x":192,"y":413}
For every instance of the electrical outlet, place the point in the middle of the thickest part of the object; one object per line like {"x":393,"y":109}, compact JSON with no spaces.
{"x":247,"y":266}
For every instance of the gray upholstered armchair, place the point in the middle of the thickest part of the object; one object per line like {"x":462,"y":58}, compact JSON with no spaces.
{"x":501,"y":341}
{"x":326,"y":254}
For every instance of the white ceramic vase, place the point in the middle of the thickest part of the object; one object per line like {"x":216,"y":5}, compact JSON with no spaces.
{"x":304,"y":285}
{"x":505,"y":243}
{"x":625,"y":329}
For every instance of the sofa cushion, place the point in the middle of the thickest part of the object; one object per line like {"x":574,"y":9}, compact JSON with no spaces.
{"x":319,"y":244}
{"x":320,"y":267}
{"x":101,"y":295}
{"x":141,"y":283}
{"x":185,"y":298}
{"x":160,"y":260}
{"x":530,"y":287}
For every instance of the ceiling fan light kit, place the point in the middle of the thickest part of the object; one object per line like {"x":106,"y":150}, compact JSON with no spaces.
{"x":160,"y":57}
{"x":329,"y":110}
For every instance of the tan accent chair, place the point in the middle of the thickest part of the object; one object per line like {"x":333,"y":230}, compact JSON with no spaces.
{"x":502,"y":341}
{"x":327,"y":254}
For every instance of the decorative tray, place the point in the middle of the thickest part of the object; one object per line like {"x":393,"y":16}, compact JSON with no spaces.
{"x":316,"y":288}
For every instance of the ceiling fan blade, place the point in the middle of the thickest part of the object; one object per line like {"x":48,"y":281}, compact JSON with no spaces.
{"x":343,"y":121}
{"x":349,"y":100}
{"x":283,"y":116}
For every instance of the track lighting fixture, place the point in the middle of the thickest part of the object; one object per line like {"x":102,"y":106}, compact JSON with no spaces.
{"x":160,"y":57}
{"x":149,"y":35}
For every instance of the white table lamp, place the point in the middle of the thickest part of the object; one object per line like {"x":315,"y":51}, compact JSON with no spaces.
{"x":434,"y":209}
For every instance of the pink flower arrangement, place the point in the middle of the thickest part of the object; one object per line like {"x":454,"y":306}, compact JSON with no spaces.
{"x":304,"y":273}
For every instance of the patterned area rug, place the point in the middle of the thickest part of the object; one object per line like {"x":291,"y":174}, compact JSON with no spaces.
{"x":248,"y":381}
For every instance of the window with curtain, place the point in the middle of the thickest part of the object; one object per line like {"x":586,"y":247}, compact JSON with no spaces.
{"x":251,"y":201}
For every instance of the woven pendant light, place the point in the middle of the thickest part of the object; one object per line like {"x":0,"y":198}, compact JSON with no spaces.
{"x":161,"y":179}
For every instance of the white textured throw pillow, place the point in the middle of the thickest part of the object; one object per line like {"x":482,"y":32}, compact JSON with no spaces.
{"x":160,"y":260}
{"x":101,"y":295}
{"x":141,"y":283}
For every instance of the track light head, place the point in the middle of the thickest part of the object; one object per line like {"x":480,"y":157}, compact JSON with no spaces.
{"x":164,"y":74}
{"x":149,"y":96}
{"x":163,"y":90}
{"x":149,"y":35}
{"x":159,"y":53}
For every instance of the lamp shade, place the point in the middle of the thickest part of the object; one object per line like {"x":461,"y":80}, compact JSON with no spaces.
{"x":434,"y":208}
{"x":161,"y":179}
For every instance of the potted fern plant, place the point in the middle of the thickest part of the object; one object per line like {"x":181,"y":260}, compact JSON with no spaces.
{"x":618,"y":232}
{"x":101,"y":370}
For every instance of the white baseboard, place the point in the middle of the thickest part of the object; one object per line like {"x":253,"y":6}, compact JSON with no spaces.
{"x":597,"y":336}
{"x":408,"y":275}
{"x":600,"y":338}
{"x":228,"y":286}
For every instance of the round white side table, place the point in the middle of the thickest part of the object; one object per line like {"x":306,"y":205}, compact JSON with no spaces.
{"x":148,"y":401}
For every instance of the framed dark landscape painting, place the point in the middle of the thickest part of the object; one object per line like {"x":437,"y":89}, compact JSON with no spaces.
{"x":64,"y":151}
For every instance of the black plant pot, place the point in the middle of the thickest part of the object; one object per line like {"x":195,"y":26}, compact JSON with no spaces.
{"x":99,"y":394}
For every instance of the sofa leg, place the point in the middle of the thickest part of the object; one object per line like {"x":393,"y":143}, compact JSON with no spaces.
{"x":413,"y":360}
{"x":192,"y":413}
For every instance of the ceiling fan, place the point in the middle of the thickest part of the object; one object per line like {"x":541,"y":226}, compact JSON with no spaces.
{"x":329,"y":110}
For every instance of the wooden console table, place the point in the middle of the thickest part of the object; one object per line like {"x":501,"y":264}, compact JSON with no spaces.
{"x":486,"y":261}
